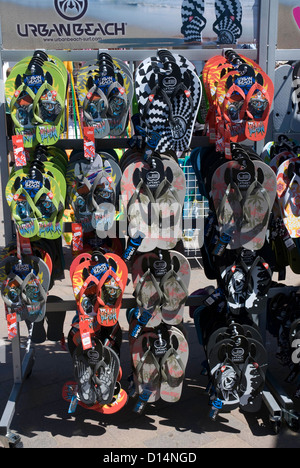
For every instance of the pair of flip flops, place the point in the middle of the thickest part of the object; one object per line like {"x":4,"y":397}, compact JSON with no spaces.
{"x":159,"y":358}
{"x":161,"y":287}
{"x":36,"y":194}
{"x":93,"y":190}
{"x":99,"y":282}
{"x":105,"y":90}
{"x":238,"y":363}
{"x":168,"y":92}
{"x":152,"y":195}
{"x":228,"y":24}
{"x":242,"y":193}
{"x":25,"y":286}
{"x":35,"y":92}
{"x":97,"y":380}
{"x":240,"y":95}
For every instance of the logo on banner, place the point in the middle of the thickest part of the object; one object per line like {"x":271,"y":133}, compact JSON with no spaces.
{"x":71,"y":10}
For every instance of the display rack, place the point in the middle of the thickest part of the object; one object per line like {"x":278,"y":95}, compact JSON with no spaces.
{"x":278,"y":403}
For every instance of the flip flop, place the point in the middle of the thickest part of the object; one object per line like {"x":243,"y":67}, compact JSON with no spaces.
{"x":259,"y":100}
{"x":175,"y":289}
{"x":149,"y":298}
{"x":193,"y":20}
{"x":106,"y":373}
{"x":173,"y":366}
{"x":253,"y":377}
{"x":84,"y":365}
{"x":145,"y":360}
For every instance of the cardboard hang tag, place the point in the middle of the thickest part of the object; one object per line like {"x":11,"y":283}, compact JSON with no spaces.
{"x":89,"y":143}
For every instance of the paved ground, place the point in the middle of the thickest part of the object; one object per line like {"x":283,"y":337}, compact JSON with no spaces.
{"x":42,"y":418}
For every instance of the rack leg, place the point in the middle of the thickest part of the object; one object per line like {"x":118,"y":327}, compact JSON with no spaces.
{"x":6,"y":436}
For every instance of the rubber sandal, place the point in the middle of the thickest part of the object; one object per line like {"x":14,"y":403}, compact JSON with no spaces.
{"x":105,"y":376}
{"x":176,"y":293}
{"x":84,"y":363}
{"x":173,"y":365}
{"x":193,"y":20}
{"x":102,"y":203}
{"x":11,"y":293}
{"x":253,"y":378}
{"x":150,"y":372}
{"x":259,"y":100}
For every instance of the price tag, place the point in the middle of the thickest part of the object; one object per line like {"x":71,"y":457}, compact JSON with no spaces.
{"x":84,"y":327}
{"x":89,"y":143}
{"x":11,"y":325}
{"x":77,"y":238}
{"x":19,"y":151}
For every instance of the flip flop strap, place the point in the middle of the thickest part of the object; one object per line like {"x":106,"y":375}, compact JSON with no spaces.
{"x":170,"y":188}
{"x":172,"y":381}
{"x":123,"y":96}
{"x":263,"y":90}
{"x":22,"y":87}
{"x":94,"y":90}
{"x":232,"y":185}
{"x":142,"y":185}
{"x":264,"y":192}
{"x":250,"y":271}
{"x":38,"y":284}
{"x":41,"y":192}
{"x":229,"y":363}
{"x":239,"y":90}
{"x":106,"y":275}
{"x":29,"y":200}
{"x":157,"y":90}
{"x":170,"y":274}
{"x":10,"y":277}
{"x":140,"y":285}
{"x":43,"y":88}
{"x":90,"y":279}
{"x":166,"y":184}
{"x":141,"y":363}
{"x":100,"y":175}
